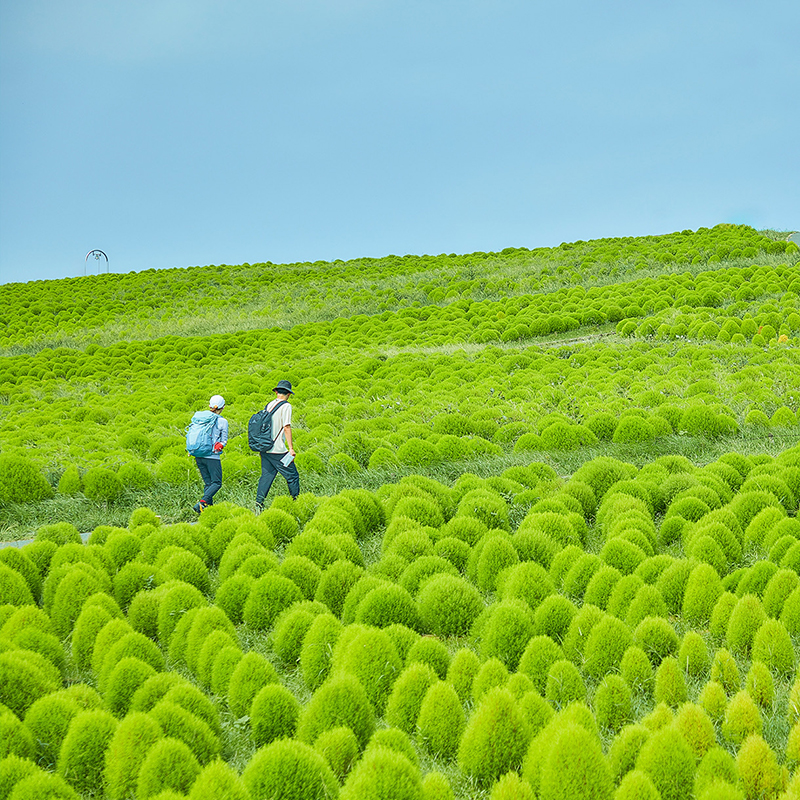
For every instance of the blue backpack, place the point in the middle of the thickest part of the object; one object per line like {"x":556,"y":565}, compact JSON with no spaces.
{"x":200,"y":434}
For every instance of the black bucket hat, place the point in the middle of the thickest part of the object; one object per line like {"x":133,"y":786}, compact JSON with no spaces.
{"x":284,"y":387}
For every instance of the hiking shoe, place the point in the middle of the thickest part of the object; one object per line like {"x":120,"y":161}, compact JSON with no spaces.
{"x":200,"y":507}
{"x":259,"y":508}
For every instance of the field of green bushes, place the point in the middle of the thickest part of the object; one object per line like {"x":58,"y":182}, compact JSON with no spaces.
{"x":547,"y":544}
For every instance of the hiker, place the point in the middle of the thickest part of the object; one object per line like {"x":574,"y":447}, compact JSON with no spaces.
{"x":280,"y":457}
{"x":214,"y":439}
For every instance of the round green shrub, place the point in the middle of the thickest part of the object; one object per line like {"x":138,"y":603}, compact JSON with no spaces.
{"x":441,"y":720}
{"x":622,"y":595}
{"x":669,"y":762}
{"x":495,"y":739}
{"x":73,"y":590}
{"x":130,"y":644}
{"x":232,"y":594}
{"x":196,"y":702}
{"x":100,"y":483}
{"x":48,"y":720}
{"x":408,"y":692}
{"x":605,"y":646}
{"x":418,"y":572}
{"x":713,"y":700}
{"x":647,"y":602}
{"x":21,"y":481}
{"x":25,"y":676}
{"x":693,"y":657}
{"x":251,"y":674}
{"x":759,"y":772}
{"x":127,"y":675}
{"x":742,"y":718}
{"x":493,"y":672}
{"x":169,"y":764}
{"x":95,"y":614}
{"x":725,"y":671}
{"x":721,"y":613}
{"x":600,"y":586}
{"x":636,"y":785}
{"x":636,"y":670}
{"x":40,"y":784}
{"x":341,"y":700}
{"x":432,"y":652}
{"x":274,"y":714}
{"x":564,"y":684}
{"x":316,"y":650}
{"x":15,"y":737}
{"x":464,"y":666}
{"x":780,"y":586}
{"x":291,"y":626}
{"x":745,"y":619}
{"x":220,"y":781}
{"x":760,"y":685}
{"x":506,"y":632}
{"x":177,"y":599}
{"x":672,"y":584}
{"x":81,"y":758}
{"x":540,"y":654}
{"x":716,"y":768}
{"x":703,"y":590}
{"x":388,"y":604}
{"x":772,"y":645}
{"x":178,"y":723}
{"x":369,"y":655}
{"x":339,"y":747}
{"x":613,"y":705}
{"x":222,"y":669}
{"x":697,"y":729}
{"x":670,"y":687}
{"x":383,"y":772}
{"x":657,"y":638}
{"x":510,"y":787}
{"x":625,"y":748}
{"x":269,"y":595}
{"x":553,"y":617}
{"x":215,"y":642}
{"x":574,"y":767}
{"x":449,"y":605}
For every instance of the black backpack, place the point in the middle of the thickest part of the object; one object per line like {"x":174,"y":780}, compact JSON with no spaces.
{"x":259,"y":429}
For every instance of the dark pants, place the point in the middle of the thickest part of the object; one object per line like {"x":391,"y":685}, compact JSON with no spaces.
{"x":270,"y":467}
{"x":211,"y":473}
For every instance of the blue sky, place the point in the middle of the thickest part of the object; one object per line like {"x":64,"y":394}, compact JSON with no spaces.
{"x":193,"y":132}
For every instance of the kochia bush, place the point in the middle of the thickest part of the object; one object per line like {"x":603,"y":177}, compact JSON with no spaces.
{"x":449,"y":605}
{"x":495,"y":740}
{"x":441,"y":720}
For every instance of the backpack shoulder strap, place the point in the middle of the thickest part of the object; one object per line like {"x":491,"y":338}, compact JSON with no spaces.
{"x":276,"y":407}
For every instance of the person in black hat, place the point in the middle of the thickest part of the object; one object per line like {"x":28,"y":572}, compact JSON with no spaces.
{"x":280,"y":459}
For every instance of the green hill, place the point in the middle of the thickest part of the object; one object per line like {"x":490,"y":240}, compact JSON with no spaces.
{"x":546,"y":544}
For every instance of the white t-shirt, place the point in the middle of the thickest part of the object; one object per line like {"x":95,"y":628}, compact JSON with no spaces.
{"x":281,"y":418}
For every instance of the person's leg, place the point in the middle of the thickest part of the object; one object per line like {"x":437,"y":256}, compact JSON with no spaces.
{"x":268,"y":473}
{"x":202,"y":467}
{"x":214,"y":483}
{"x":292,"y":477}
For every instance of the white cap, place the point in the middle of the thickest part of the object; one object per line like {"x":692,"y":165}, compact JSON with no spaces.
{"x":217,"y":401}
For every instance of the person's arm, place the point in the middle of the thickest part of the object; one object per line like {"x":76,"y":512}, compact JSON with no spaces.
{"x":222,"y":435}
{"x":287,"y":435}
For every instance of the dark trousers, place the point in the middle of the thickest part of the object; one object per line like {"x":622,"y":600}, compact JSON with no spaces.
{"x":211,"y":473}
{"x":270,"y":467}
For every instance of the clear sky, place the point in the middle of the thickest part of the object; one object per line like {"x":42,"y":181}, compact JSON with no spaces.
{"x":192,"y":132}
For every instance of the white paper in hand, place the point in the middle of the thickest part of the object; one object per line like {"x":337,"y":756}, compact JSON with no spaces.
{"x":287,"y":459}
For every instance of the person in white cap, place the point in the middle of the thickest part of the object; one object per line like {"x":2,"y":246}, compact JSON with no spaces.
{"x":210,"y":466}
